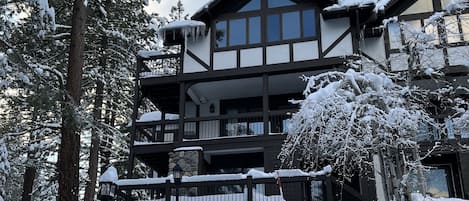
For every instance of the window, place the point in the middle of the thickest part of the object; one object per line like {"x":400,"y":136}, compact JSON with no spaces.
{"x":438,"y":179}
{"x":254,"y":30}
{"x":220,"y":34}
{"x":291,"y":29}
{"x":309,"y":23}
{"x":273,"y":28}
{"x":251,"y":6}
{"x":279,"y":3}
{"x":237,"y":32}
{"x":394,"y":32}
{"x":292,"y":23}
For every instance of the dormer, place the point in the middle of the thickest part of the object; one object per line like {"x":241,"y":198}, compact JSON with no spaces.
{"x":263,"y":33}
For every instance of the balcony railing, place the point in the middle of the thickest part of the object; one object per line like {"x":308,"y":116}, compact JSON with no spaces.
{"x":229,"y":125}
{"x":296,"y":188}
{"x":160,"y":65}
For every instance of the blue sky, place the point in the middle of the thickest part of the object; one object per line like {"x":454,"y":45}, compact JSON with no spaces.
{"x":164,"y":7}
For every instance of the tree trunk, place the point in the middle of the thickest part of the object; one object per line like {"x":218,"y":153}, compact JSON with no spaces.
{"x":69,"y":150}
{"x":95,"y":137}
{"x":29,"y":176}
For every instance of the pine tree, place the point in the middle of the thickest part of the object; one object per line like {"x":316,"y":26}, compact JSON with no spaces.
{"x":68,"y":161}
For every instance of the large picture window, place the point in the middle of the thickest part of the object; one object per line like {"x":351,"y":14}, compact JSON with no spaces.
{"x":282,"y":20}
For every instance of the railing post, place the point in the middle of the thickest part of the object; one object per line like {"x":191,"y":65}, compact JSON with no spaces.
{"x":182,"y":111}
{"x":167,"y":190}
{"x":329,"y":192}
{"x":249,"y":187}
{"x":162,"y":127}
{"x":265,"y":103}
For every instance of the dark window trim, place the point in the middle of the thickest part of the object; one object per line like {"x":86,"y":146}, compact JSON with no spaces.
{"x":263,"y":13}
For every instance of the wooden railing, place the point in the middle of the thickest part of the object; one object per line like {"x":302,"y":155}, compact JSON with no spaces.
{"x":159,"y":66}
{"x":229,"y":125}
{"x":297,"y":188}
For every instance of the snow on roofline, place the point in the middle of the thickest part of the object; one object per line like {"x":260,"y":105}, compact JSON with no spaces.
{"x":346,"y":4}
{"x":206,"y":6}
{"x":256,"y":174}
{"x":182,"y":24}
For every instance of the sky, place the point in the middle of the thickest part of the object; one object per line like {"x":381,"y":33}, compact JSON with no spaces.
{"x":164,"y":7}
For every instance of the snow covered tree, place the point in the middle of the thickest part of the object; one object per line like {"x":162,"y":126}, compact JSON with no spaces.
{"x":109,"y":70}
{"x":69,"y":149}
{"x":346,"y":118}
{"x":177,"y":12}
{"x":350,"y":119}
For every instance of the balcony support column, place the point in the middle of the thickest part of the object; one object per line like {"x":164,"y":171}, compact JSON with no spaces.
{"x":130,"y":165}
{"x":182,"y":111}
{"x":265,"y":103}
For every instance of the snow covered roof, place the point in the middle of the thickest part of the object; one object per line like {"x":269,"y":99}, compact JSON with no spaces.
{"x":256,"y":174}
{"x":345,"y":4}
{"x":156,"y":116}
{"x":110,"y":175}
{"x":186,"y":27}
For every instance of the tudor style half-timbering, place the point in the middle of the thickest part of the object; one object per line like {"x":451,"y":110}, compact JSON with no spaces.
{"x":225,"y":94}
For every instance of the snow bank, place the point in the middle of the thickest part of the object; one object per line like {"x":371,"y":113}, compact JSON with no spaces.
{"x":420,"y":197}
{"x":156,"y":116}
{"x":345,"y":4}
{"x":110,"y":175}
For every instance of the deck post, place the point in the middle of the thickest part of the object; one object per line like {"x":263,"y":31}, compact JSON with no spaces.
{"x":182,"y":111}
{"x":167,"y":188}
{"x":249,"y":186}
{"x":265,"y":103}
{"x":329,"y":192}
{"x":160,"y":138}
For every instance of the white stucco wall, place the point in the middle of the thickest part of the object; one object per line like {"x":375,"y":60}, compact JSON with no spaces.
{"x":224,"y":60}
{"x":251,"y":57}
{"x":278,"y":54}
{"x":345,"y":47}
{"x":305,"y":51}
{"x":374,"y":47}
{"x":332,"y":29}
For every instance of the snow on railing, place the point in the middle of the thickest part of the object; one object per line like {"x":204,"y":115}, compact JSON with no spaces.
{"x":345,"y":4}
{"x":255,"y":174}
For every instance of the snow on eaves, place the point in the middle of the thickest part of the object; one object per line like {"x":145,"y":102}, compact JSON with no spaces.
{"x":182,"y":24}
{"x":110,"y":175}
{"x":206,"y":6}
{"x":156,"y":116}
{"x":345,"y":4}
{"x":256,"y":174}
{"x":187,"y":27}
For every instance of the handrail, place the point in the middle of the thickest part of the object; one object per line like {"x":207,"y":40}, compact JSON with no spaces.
{"x":220,"y":117}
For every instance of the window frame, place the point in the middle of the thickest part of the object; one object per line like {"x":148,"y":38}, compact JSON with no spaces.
{"x":263,"y":13}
